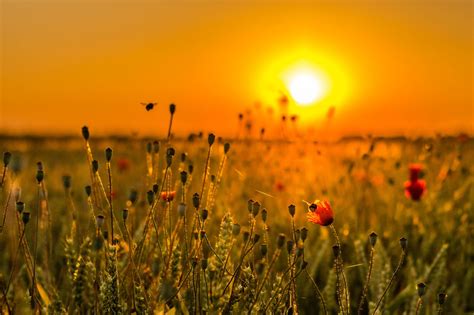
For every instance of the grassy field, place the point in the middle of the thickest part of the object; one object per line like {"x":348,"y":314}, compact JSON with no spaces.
{"x":222,"y":250}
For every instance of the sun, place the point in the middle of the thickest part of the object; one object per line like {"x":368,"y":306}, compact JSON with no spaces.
{"x":306,"y":87}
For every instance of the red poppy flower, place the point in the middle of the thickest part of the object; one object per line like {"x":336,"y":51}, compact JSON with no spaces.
{"x":415,"y":189}
{"x":415,"y":170}
{"x":168,"y":195}
{"x":321,"y":213}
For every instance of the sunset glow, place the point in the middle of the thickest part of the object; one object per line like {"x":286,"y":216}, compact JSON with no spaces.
{"x":306,"y":88}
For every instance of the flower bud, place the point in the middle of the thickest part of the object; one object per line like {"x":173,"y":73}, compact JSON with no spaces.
{"x":373,"y":239}
{"x":184,"y":177}
{"x":403,"y":244}
{"x":108,"y":154}
{"x":263,"y":249}
{"x":196,"y":200}
{"x":125,"y":214}
{"x":235,"y":229}
{"x":155,"y":188}
{"x":182,"y":209}
{"x":148,"y":147}
{"x":281,"y":240}
{"x":255,"y":209}
{"x":289,"y":246}
{"x":204,"y":264}
{"x":304,"y":264}
{"x":304,"y":234}
{"x":105,"y":234}
{"x":196,"y":234}
{"x":156,"y":147}
{"x":260,"y":268}
{"x":202,"y":233}
{"x":6,"y":158}
{"x":25,"y":217}
{"x":133,"y":196}
{"x":88,"y":190}
{"x":95,"y":166}
{"x":264,"y":215}
{"x":99,"y":220}
{"x":67,"y":182}
{"x":421,"y":288}
{"x":39,"y":176}
{"x":183,"y":157}
{"x":336,"y":251}
{"x":226,"y":147}
{"x":150,"y":195}
{"x":442,"y":298}
{"x":85,"y":133}
{"x":256,"y":238}
{"x":20,"y":206}
{"x":172,"y":109}
{"x":250,"y":205}
{"x":246,"y":235}
{"x":292,"y":210}
{"x":190,"y":169}
{"x":204,"y":214}
{"x":210,"y":139}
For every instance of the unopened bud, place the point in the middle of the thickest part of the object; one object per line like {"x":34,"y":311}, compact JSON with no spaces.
{"x":190,"y":169}
{"x":204,"y":214}
{"x":235,"y":229}
{"x":421,"y":288}
{"x":304,"y":234}
{"x":260,"y":268}
{"x":20,"y":206}
{"x":39,"y":176}
{"x":263,"y":249}
{"x":246,"y":235}
{"x":172,"y":109}
{"x":184,"y":177}
{"x":373,"y":239}
{"x":442,"y":298}
{"x":88,"y":190}
{"x":85,"y":133}
{"x":99,"y":220}
{"x":156,"y":147}
{"x":6,"y":158}
{"x":403,"y":243}
{"x":67,"y":182}
{"x":256,"y":238}
{"x":289,"y":246}
{"x":264,"y":215}
{"x":281,"y":240}
{"x":155,"y":188}
{"x":255,"y":209}
{"x":196,"y":200}
{"x":150,"y":196}
{"x":210,"y":139}
{"x":226,"y":147}
{"x":250,"y":205}
{"x":108,"y":154}
{"x":292,"y":210}
{"x":204,"y":264}
{"x":125,"y":214}
{"x":25,"y":217}
{"x":336,"y":251}
{"x":95,"y":166}
{"x":133,"y":196}
{"x":148,"y":147}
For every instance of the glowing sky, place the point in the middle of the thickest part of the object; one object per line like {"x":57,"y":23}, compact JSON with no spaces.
{"x":393,"y":66}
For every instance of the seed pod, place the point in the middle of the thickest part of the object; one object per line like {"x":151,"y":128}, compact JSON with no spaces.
{"x":105,"y":234}
{"x":67,"y":182}
{"x":88,"y":190}
{"x":204,"y":214}
{"x":155,"y":188}
{"x":183,"y":157}
{"x":403,"y":244}
{"x":133,"y":196}
{"x":297,"y":235}
{"x":263,"y":249}
{"x":25,"y":217}
{"x":148,"y":147}
{"x":182,"y":209}
{"x":235,"y":229}
{"x":304,"y":234}
{"x":289,"y":246}
{"x":421,"y":288}
{"x":210,"y":139}
{"x":39,"y":176}
{"x":264,"y":215}
{"x":204,"y":264}
{"x":260,"y":268}
{"x":150,"y":195}
{"x":226,"y":147}
{"x":156,"y":147}
{"x":85,"y":133}
{"x":246,"y":235}
{"x":6,"y":158}
{"x":172,"y":109}
{"x":250,"y":205}
{"x":184,"y":177}
{"x":292,"y":210}
{"x":256,"y":238}
{"x":202,"y":234}
{"x":99,"y":220}
{"x":336,"y":251}
{"x":255,"y":208}
{"x":95,"y":166}
{"x":108,"y":154}
{"x":373,"y":239}
{"x":196,"y":200}
{"x":20,"y":206}
{"x":281,"y":240}
{"x":442,"y":298}
{"x":196,"y":234}
{"x":190,"y":169}
{"x":125,"y":214}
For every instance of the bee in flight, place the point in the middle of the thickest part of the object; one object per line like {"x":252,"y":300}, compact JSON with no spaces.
{"x":148,"y":106}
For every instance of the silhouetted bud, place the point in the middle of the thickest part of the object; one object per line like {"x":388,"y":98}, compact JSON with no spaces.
{"x":255,"y":209}
{"x":105,"y":234}
{"x":235,"y":229}
{"x":196,"y":200}
{"x":202,"y":234}
{"x":25,"y":217}
{"x":336,"y":251}
{"x":6,"y":158}
{"x":125,"y":214}
{"x":421,"y":288}
{"x":304,"y":264}
{"x":85,"y":133}
{"x":182,"y":209}
{"x":373,"y":239}
{"x":148,"y":147}
{"x":39,"y":176}
{"x":184,"y":177}
{"x":99,"y":220}
{"x":88,"y":190}
{"x":304,"y":234}
{"x":66,"y":182}
{"x":108,"y":154}
{"x":204,"y":214}
{"x":190,"y":169}
{"x":20,"y":206}
{"x":403,"y":243}
{"x":250,"y":205}
{"x":263,"y":249}
{"x":264,"y":215}
{"x":210,"y":139}
{"x":150,"y":197}
{"x":292,"y":210}
{"x":155,"y":188}
{"x":172,"y":109}
{"x":246,"y":235}
{"x":133,"y":196}
{"x":95,"y":166}
{"x":183,"y":157}
{"x":256,"y":238}
{"x":260,"y":268}
{"x":289,"y":246}
{"x":204,"y":264}
{"x":281,"y":240}
{"x":98,"y":243}
{"x":196,"y":234}
{"x":442,"y":298}
{"x":194,"y":261}
{"x":206,"y":249}
{"x":226,"y":147}
{"x":156,"y":147}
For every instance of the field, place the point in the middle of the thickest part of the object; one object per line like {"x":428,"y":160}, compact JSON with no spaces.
{"x":222,"y":251}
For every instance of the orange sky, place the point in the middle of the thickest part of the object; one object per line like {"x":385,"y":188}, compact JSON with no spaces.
{"x":394,"y":66}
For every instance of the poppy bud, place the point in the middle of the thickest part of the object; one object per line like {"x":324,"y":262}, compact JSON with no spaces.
{"x":184,"y":177}
{"x":403,"y":243}
{"x":95,"y":166}
{"x":202,"y":234}
{"x":195,"y":234}
{"x":304,"y":264}
{"x":150,"y":195}
{"x":125,"y":214}
{"x":183,"y":157}
{"x":155,"y":188}
{"x":196,"y":200}
{"x":210,"y":139}
{"x":172,"y":109}
{"x":108,"y":154}
{"x":25,"y":217}
{"x":292,"y":210}
{"x":256,"y":238}
{"x":156,"y":147}
{"x":421,"y":287}
{"x":246,"y":235}
{"x":263,"y":249}
{"x":373,"y":239}
{"x":66,"y":182}
{"x":336,"y":250}
{"x":190,"y":169}
{"x":148,"y":147}
{"x":6,"y":158}
{"x":235,"y":229}
{"x":39,"y":176}
{"x":204,"y":214}
{"x":281,"y":240}
{"x":204,"y":264}
{"x":194,"y":261}
{"x":442,"y":298}
{"x":133,"y":196}
{"x":88,"y":190}
{"x":206,"y":249}
{"x":105,"y":234}
{"x":182,"y":209}
{"x":85,"y":133}
{"x":264,"y":215}
{"x":20,"y":206}
{"x":260,"y":268}
{"x":255,"y":209}
{"x":97,"y":243}
{"x":304,"y":234}
{"x":250,"y":205}
{"x":289,"y":246}
{"x":226,"y":147}
{"x":99,"y":220}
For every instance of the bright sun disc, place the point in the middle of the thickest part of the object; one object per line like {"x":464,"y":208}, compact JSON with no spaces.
{"x":305,"y":88}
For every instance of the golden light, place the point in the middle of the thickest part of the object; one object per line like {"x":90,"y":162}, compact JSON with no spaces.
{"x":306,"y":88}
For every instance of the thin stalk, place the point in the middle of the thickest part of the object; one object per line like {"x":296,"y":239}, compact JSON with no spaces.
{"x":318,"y":292}
{"x":367,"y":281}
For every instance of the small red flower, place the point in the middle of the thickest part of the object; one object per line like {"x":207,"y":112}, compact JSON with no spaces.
{"x":279,"y":186}
{"x":123,"y":164}
{"x":415,"y":170}
{"x":321,"y":213}
{"x":168,"y":195}
{"x":415,"y":187}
